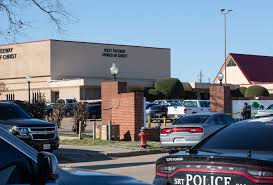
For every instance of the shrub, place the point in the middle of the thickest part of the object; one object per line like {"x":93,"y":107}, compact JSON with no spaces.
{"x":256,"y":91}
{"x":154,"y":94}
{"x":239,"y":92}
{"x":172,"y":88}
{"x":79,"y":117}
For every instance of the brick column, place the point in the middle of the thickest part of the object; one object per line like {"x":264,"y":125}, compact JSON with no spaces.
{"x":220,"y":99}
{"x":108,"y":89}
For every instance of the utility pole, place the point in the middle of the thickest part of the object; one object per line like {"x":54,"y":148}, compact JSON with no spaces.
{"x":200,"y":76}
{"x":225,"y":12}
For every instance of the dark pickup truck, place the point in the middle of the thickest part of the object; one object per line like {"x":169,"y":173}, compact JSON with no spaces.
{"x":39,"y":134}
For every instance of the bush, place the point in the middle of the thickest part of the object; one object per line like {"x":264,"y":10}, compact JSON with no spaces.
{"x":171,"y":88}
{"x":79,"y":117}
{"x":154,"y":94}
{"x":239,"y":92}
{"x":256,"y":91}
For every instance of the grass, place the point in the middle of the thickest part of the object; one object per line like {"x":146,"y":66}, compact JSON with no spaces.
{"x":88,"y":141}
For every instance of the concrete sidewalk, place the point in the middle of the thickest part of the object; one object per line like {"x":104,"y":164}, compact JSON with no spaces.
{"x":75,"y":154}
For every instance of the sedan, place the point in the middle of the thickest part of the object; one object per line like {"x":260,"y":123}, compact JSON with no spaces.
{"x":239,"y":154}
{"x":191,"y":129}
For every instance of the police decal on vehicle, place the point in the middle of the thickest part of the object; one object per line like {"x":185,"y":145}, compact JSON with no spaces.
{"x":202,"y":180}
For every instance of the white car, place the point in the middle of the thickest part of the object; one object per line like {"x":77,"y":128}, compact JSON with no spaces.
{"x":189,"y":107}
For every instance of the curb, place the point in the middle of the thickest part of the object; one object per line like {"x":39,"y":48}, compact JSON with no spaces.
{"x":135,"y":153}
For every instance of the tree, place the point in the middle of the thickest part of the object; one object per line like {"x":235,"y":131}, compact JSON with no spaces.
{"x":13,"y":22}
{"x":256,"y":91}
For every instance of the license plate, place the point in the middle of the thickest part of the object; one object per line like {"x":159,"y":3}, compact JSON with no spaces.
{"x":190,"y":179}
{"x":46,"y":147}
{"x":179,"y":140}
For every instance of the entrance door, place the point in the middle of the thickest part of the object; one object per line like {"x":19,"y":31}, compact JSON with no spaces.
{"x":54,"y":96}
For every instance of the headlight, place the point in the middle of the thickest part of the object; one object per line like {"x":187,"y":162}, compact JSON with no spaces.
{"x":20,"y":132}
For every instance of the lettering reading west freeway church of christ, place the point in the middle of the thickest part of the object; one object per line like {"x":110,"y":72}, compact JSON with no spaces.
{"x":116,"y":53}
{"x":6,"y":54}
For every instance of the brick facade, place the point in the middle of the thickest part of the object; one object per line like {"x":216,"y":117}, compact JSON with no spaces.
{"x":123,"y":109}
{"x":220,"y":99}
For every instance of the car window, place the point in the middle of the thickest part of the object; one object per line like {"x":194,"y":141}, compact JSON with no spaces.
{"x":244,"y":137}
{"x":12,"y":112}
{"x":204,"y":104}
{"x":199,"y":119}
{"x":15,"y":164}
{"x":228,"y":119}
{"x":219,"y":120}
{"x":190,"y":104}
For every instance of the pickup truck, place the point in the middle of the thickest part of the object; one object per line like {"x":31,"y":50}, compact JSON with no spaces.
{"x":189,"y":107}
{"x":21,"y":164}
{"x":41,"y":135}
{"x":264,"y":113}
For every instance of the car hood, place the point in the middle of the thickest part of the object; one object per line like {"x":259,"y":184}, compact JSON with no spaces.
{"x":28,"y":123}
{"x":78,"y":176}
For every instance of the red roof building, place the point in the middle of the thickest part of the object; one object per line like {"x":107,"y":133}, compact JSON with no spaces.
{"x":246,"y":70}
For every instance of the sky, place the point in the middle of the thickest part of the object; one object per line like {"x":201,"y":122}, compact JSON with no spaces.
{"x":192,"y":29}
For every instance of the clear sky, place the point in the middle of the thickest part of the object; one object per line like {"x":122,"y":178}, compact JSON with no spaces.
{"x":193,"y":29}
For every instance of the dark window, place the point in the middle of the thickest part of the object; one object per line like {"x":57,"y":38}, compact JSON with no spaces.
{"x":192,"y":119}
{"x":219,"y":120}
{"x":204,"y":104}
{"x":238,"y":136}
{"x":14,"y":164}
{"x":231,"y":63}
{"x":228,"y":119}
{"x":12,"y":112}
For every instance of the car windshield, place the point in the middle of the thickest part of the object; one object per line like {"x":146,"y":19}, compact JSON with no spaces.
{"x":12,"y":112}
{"x":255,"y":137}
{"x":192,"y":119}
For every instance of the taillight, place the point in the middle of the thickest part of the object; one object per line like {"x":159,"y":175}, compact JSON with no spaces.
{"x":182,"y":129}
{"x":166,"y":130}
{"x":163,"y":170}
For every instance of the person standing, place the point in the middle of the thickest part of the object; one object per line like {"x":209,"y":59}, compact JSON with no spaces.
{"x":244,"y":112}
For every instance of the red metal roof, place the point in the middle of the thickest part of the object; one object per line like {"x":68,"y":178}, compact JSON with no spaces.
{"x":256,"y":68}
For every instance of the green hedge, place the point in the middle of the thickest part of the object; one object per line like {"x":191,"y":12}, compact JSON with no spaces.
{"x":172,"y":88}
{"x":256,"y":91}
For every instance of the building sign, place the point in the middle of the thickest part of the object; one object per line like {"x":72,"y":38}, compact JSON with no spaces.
{"x":7,"y":54}
{"x":115,"y":53}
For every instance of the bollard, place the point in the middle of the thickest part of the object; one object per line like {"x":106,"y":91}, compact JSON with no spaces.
{"x":94,"y":129}
{"x":164,"y":121}
{"x":149,"y":122}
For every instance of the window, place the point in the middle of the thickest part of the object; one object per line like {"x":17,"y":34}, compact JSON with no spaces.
{"x":14,"y":165}
{"x":12,"y":112}
{"x":246,"y":136}
{"x":190,"y":104}
{"x":10,"y":96}
{"x":231,"y":63}
{"x":204,"y":104}
{"x":192,"y":119}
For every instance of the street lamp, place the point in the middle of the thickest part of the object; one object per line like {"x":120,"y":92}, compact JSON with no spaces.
{"x":28,"y":78}
{"x":225,"y":12}
{"x":220,"y":78}
{"x":114,"y":71}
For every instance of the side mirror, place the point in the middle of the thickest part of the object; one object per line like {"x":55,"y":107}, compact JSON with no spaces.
{"x":48,"y":166}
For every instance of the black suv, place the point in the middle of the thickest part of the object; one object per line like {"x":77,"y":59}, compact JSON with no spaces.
{"x":40,"y":134}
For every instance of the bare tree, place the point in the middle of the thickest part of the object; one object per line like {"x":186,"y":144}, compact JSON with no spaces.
{"x":15,"y":23}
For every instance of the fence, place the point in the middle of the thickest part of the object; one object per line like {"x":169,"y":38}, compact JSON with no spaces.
{"x":160,"y":121}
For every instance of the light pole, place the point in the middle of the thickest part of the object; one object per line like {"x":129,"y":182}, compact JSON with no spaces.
{"x":28,"y":77}
{"x":114,"y":71}
{"x":225,"y":12}
{"x":220,"y":78}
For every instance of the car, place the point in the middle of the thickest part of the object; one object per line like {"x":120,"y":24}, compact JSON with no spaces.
{"x":191,"y":129}
{"x":157,"y":111}
{"x":94,"y":111}
{"x":189,"y":107}
{"x":21,"y":164}
{"x":263,"y":113}
{"x":239,"y":154}
{"x":40,"y":134}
